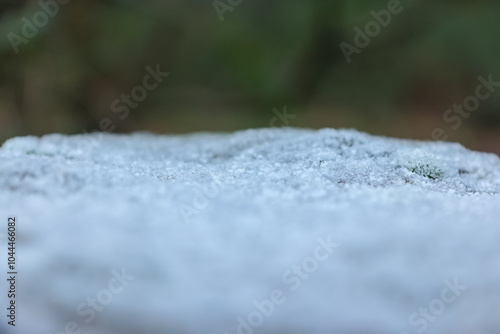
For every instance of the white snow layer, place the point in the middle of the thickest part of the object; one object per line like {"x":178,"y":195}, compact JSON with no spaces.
{"x":268,"y":231}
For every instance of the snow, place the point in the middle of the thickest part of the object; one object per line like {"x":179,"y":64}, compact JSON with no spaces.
{"x":341,"y":231}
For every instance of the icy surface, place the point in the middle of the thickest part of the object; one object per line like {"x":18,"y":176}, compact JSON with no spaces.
{"x":209,"y":223}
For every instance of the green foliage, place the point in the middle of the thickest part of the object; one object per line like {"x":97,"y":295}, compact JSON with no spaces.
{"x":422,"y":163}
{"x":263,"y":54}
{"x":428,"y":170}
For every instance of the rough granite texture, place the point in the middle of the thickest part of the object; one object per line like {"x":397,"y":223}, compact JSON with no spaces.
{"x":356,"y":234}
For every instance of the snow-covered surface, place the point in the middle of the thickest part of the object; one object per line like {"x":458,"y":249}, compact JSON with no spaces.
{"x":209,"y":223}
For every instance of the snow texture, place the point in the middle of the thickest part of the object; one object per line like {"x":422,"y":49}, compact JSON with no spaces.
{"x":344,"y":232}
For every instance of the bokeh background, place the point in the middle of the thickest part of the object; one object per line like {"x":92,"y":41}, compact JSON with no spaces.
{"x":230,"y":74}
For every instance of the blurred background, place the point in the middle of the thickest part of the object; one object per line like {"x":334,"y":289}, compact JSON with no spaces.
{"x":64,"y":64}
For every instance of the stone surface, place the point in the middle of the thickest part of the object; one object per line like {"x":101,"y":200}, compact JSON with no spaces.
{"x":340,"y":231}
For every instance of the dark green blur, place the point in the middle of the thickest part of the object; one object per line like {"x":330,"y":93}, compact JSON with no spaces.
{"x":231,"y":74}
